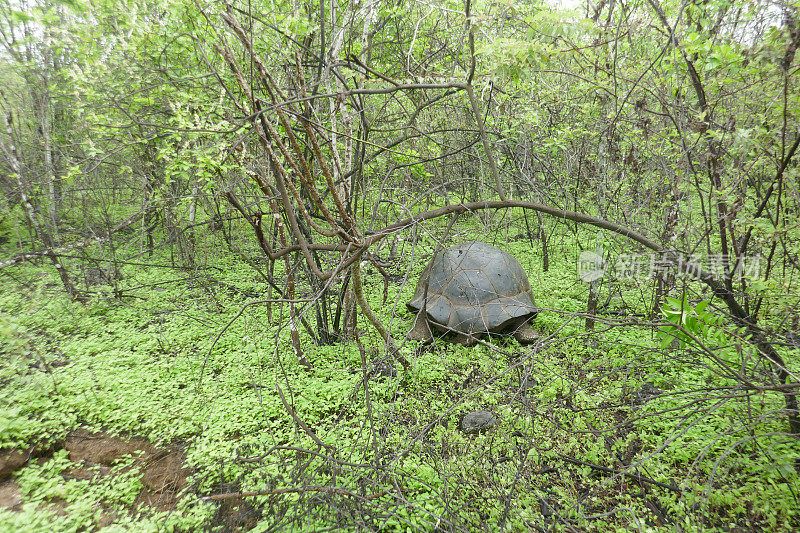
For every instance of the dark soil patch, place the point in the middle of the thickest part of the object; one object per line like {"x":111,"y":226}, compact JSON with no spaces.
{"x":10,"y":496}
{"x":235,"y":514}
{"x":164,"y":474}
{"x":98,"y":456}
{"x":100,"y":449}
{"x":163,"y":471}
{"x":11,"y":461}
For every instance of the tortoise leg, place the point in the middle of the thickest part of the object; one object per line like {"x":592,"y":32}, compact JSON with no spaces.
{"x":421,"y":330}
{"x":525,"y":334}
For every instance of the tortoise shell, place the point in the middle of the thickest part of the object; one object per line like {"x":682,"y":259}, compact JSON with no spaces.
{"x":474,"y":288}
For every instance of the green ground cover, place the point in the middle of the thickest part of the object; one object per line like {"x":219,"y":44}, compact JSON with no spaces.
{"x":143,"y":366}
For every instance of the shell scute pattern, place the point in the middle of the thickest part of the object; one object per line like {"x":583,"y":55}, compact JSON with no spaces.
{"x":474,"y":288}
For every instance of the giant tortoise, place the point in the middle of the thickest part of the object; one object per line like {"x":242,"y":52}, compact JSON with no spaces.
{"x":470,"y":290}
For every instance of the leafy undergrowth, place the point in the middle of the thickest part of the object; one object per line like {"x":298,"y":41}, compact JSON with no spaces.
{"x":595,"y":430}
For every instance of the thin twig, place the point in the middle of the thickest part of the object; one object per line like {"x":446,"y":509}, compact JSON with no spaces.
{"x":290,"y":490}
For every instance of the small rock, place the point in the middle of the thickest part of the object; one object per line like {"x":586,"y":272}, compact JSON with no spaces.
{"x":478,"y":421}
{"x":547,"y":508}
{"x":527,"y":383}
{"x":94,"y":276}
{"x":646,"y":393}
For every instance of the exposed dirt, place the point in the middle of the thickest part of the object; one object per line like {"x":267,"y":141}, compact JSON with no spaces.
{"x":10,"y":496}
{"x":235,"y":514}
{"x":11,"y":461}
{"x":97,"y":455}
{"x":164,"y":473}
{"x":100,"y":449}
